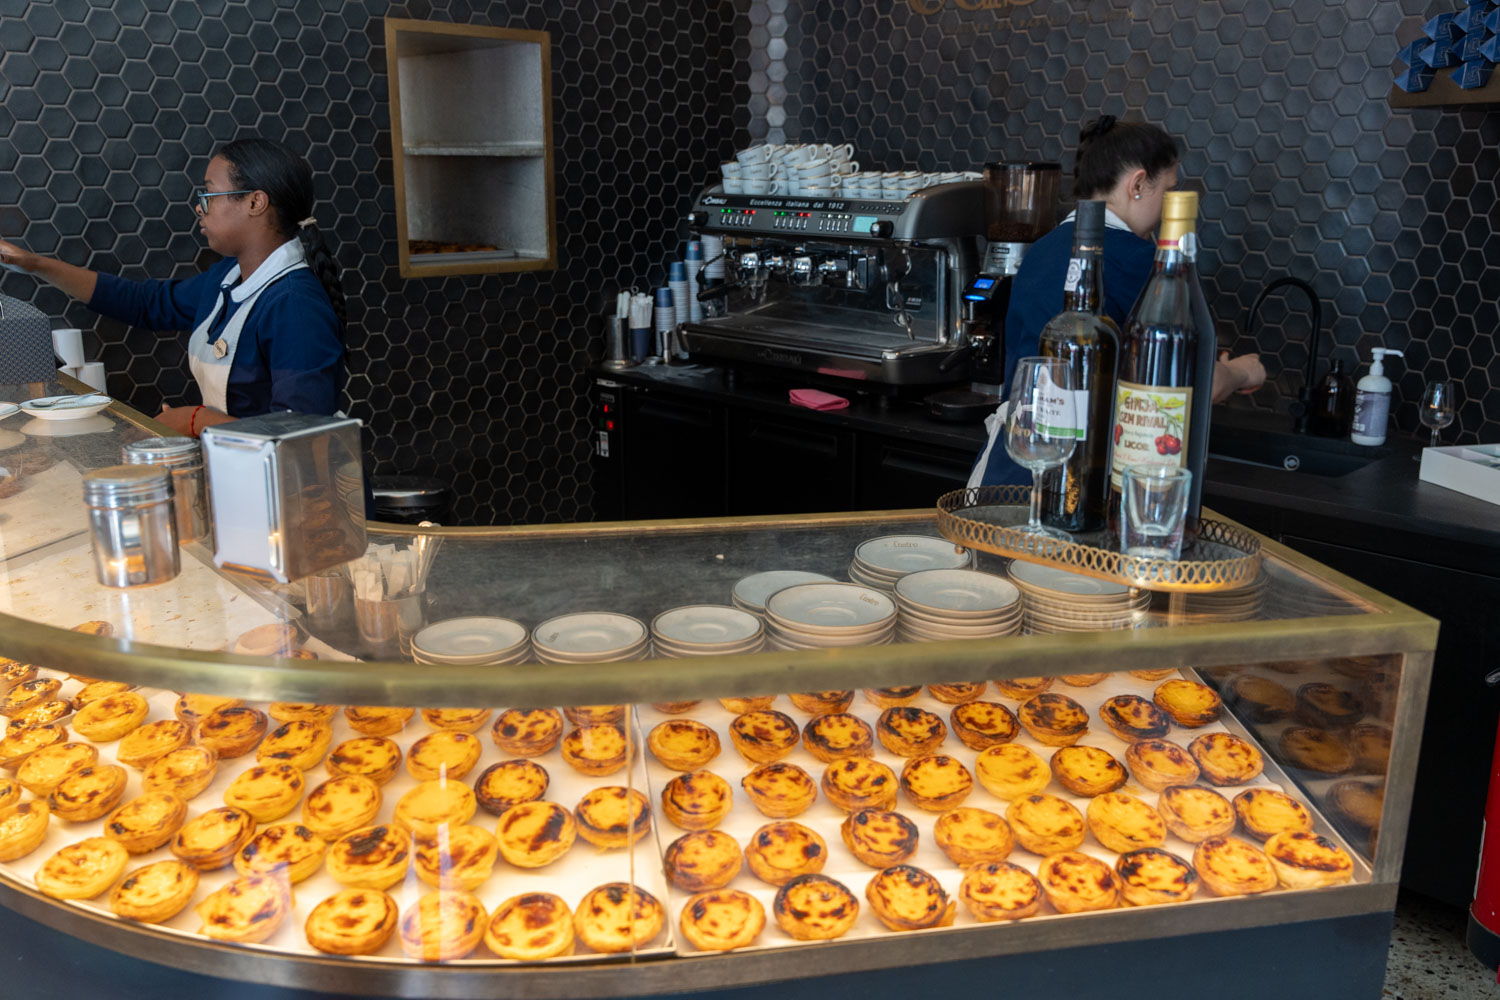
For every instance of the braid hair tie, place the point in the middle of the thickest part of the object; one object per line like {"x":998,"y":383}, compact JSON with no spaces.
{"x":309,"y":221}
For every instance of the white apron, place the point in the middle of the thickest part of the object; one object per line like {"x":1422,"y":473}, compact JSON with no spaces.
{"x":210,"y":363}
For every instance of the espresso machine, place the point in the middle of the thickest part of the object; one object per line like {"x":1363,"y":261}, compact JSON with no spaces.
{"x":1020,"y":207}
{"x":843,"y":290}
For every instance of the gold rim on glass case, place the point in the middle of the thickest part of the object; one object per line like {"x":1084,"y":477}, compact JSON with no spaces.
{"x":987,"y":518}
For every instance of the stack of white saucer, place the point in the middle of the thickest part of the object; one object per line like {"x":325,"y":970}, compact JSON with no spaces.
{"x":706,"y":630}
{"x":472,"y":641}
{"x":880,"y":562}
{"x":590,"y":637}
{"x":752,"y":592}
{"x":1055,"y":600}
{"x":939,"y":604}
{"x":821,"y":615}
{"x":1239,"y":605}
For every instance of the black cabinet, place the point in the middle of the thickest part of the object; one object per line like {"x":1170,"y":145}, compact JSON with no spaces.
{"x":672,"y":457}
{"x":895,"y":474}
{"x":782,"y":466}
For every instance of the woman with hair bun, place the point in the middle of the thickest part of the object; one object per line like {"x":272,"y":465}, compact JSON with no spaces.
{"x":1130,"y":166}
{"x":266,"y":322}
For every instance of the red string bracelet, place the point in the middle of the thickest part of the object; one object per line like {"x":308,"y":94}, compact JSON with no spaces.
{"x":192,"y":420}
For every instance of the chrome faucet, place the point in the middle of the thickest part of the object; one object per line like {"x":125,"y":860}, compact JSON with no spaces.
{"x":1302,"y":411}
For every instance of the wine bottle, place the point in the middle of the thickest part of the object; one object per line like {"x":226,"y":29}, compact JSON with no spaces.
{"x":1074,"y":494}
{"x":1160,"y":368}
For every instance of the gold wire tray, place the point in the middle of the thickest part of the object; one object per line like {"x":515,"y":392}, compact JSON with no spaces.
{"x":987,"y":518}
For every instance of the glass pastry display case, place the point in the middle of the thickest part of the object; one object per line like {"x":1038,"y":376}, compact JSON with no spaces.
{"x":696,"y":755}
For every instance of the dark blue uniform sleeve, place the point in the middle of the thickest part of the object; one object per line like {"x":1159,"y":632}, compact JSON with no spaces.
{"x":154,"y":305}
{"x":301,"y":347}
{"x":1127,"y":266}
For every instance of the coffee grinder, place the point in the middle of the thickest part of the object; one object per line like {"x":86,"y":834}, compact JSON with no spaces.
{"x":1020,"y":207}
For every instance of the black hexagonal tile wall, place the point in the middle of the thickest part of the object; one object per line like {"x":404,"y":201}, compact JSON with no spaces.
{"x":1281,"y":106}
{"x":111,"y":111}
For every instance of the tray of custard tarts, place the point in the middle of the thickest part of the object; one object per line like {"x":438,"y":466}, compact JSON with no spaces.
{"x":440,"y":835}
{"x":854,"y":814}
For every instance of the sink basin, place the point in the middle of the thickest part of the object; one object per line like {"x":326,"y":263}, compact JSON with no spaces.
{"x":1313,"y":456}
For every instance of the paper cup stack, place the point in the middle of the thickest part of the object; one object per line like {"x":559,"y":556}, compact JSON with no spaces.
{"x":590,"y":637}
{"x":938,"y":604}
{"x":1054,"y":600}
{"x":880,"y":562}
{"x":751,"y":593}
{"x":821,"y":615}
{"x":472,"y":641}
{"x":706,"y":630}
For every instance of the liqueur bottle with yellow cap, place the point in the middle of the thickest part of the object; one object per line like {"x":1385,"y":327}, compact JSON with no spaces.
{"x":1161,"y":389}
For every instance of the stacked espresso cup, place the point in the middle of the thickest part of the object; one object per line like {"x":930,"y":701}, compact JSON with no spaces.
{"x":823,"y":170}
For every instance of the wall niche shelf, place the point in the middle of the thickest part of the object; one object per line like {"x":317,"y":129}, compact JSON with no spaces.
{"x":471,"y":124}
{"x":1444,"y":94}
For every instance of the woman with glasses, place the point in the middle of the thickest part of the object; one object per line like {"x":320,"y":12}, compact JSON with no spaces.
{"x":266,"y":322}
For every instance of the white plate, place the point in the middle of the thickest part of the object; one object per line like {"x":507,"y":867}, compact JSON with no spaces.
{"x":1063,"y":582}
{"x":590,"y":632}
{"x":967,"y":591}
{"x":96,"y":424}
{"x":705,"y":624}
{"x":469,"y":640}
{"x":909,"y":553}
{"x":753,"y":591}
{"x":65,"y":411}
{"x":8,"y":410}
{"x":831,"y":606}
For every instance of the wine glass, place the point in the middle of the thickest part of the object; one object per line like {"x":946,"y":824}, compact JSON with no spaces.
{"x":1041,"y":426}
{"x":1439,"y":406}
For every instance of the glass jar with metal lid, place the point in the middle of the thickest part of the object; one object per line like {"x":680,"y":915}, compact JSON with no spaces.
{"x":132,"y":524}
{"x":183,"y":457}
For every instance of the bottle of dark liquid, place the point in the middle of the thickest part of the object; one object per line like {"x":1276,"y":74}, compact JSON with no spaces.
{"x":1074,"y":494}
{"x":1160,"y":370}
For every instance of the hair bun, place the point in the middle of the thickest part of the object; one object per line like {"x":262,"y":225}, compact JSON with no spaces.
{"x":1098,"y":127}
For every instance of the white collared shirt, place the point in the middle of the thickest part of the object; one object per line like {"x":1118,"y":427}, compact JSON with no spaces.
{"x":289,"y":254}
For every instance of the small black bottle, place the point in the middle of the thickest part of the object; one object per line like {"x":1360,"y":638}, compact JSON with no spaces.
{"x":1333,"y":404}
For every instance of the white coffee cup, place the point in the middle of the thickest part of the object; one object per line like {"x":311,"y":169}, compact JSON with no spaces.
{"x":92,"y":374}
{"x":68,"y":345}
{"x":814,"y":168}
{"x":761,"y":185}
{"x":734,"y":185}
{"x":848,"y":167}
{"x":756,"y":154}
{"x":798,"y":154}
{"x":758,"y":171}
{"x":730,"y":169}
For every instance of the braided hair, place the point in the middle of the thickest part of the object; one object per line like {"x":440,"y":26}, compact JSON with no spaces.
{"x":1109,"y":148}
{"x":287,"y":180}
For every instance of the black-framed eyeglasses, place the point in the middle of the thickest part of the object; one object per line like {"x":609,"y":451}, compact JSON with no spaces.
{"x":200,"y":198}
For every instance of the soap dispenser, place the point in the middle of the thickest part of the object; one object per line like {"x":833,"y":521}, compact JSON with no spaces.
{"x":1372,"y":401}
{"x":1333,"y":403}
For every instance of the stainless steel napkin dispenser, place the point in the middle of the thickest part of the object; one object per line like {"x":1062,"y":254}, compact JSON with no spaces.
{"x":287,"y":492}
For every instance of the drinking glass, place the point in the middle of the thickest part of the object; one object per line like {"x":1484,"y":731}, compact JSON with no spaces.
{"x":1041,"y":426}
{"x":1439,"y":406}
{"x":1155,"y":506}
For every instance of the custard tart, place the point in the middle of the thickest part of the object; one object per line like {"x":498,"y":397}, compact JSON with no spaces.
{"x":696,"y":801}
{"x":780,"y":790}
{"x":288,"y":850}
{"x":779,"y":852}
{"x":300,"y":744}
{"x":373,"y":858}
{"x":980,"y":725}
{"x":39,"y":714}
{"x":823,"y":702}
{"x":1010,"y":771}
{"x":535,"y":834}
{"x":266,"y":791}
{"x":13,"y":672}
{"x":23,"y":827}
{"x":14,"y":749}
{"x":185,"y":772}
{"x":1189,"y":703}
{"x":149,"y":743}
{"x":302,"y":711}
{"x":838,"y":735}
{"x":613,"y":816}
{"x":1225,"y":759}
{"x":892,"y":697}
{"x":88,"y":792}
{"x":247,"y":911}
{"x":1265,"y":812}
{"x":1021,"y":688}
{"x":1260,"y":699}
{"x":675,"y":707}
{"x":461,"y":857}
{"x":531,"y":927}
{"x":27,"y":694}
{"x":1045,"y":824}
{"x":10,"y":792}
{"x":905,"y":898}
{"x":459,"y":720}
{"x":1358,"y":803}
{"x":1151,"y":876}
{"x":879,"y":838}
{"x":1132,"y":718}
{"x":815,"y":908}
{"x":377,"y":720}
{"x":156,"y":892}
{"x":1125,"y":823}
{"x":936,"y":783}
{"x":146,"y":822}
{"x":509,"y":783}
{"x":857,"y":782}
{"x":617,"y":917}
{"x":1159,"y":764}
{"x":999,"y":890}
{"x":1306,"y":860}
{"x":702,"y":860}
{"x":111,"y":717}
{"x":1081,"y":680}
{"x":957,"y":693}
{"x":596,"y":750}
{"x":95,"y":690}
{"x":1195,"y":813}
{"x":352,"y":922}
{"x":683,"y":744}
{"x":1371,"y":745}
{"x":1315,"y":750}
{"x":434,"y":804}
{"x":449,"y":752}
{"x":595,"y":715}
{"x":82,"y":870}
{"x":373,"y":757}
{"x":1087,"y":771}
{"x":722,"y":919}
{"x":1153,"y":675}
{"x":233,"y":731}
{"x":910,"y":732}
{"x":1054,"y":719}
{"x":527,"y":732}
{"x":764,"y":736}
{"x":210,"y":840}
{"x":972,"y":836}
{"x":341,"y":805}
{"x":44,"y":770}
{"x":1230,"y":866}
{"x":739,"y":706}
{"x":194,"y":708}
{"x":1327,"y":706}
{"x":1075,"y":882}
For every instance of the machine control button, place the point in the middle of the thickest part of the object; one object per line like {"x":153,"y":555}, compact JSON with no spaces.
{"x":882,"y":229}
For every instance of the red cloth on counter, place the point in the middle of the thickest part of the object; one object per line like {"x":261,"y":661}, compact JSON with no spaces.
{"x":815,"y":399}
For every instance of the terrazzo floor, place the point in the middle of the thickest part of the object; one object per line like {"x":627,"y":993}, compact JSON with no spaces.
{"x":1429,"y":959}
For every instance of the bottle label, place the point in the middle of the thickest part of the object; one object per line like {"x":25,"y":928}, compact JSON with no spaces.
{"x":1371,"y":410}
{"x":1075,"y":271}
{"x":1150,"y":427}
{"x":1056,"y":412}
